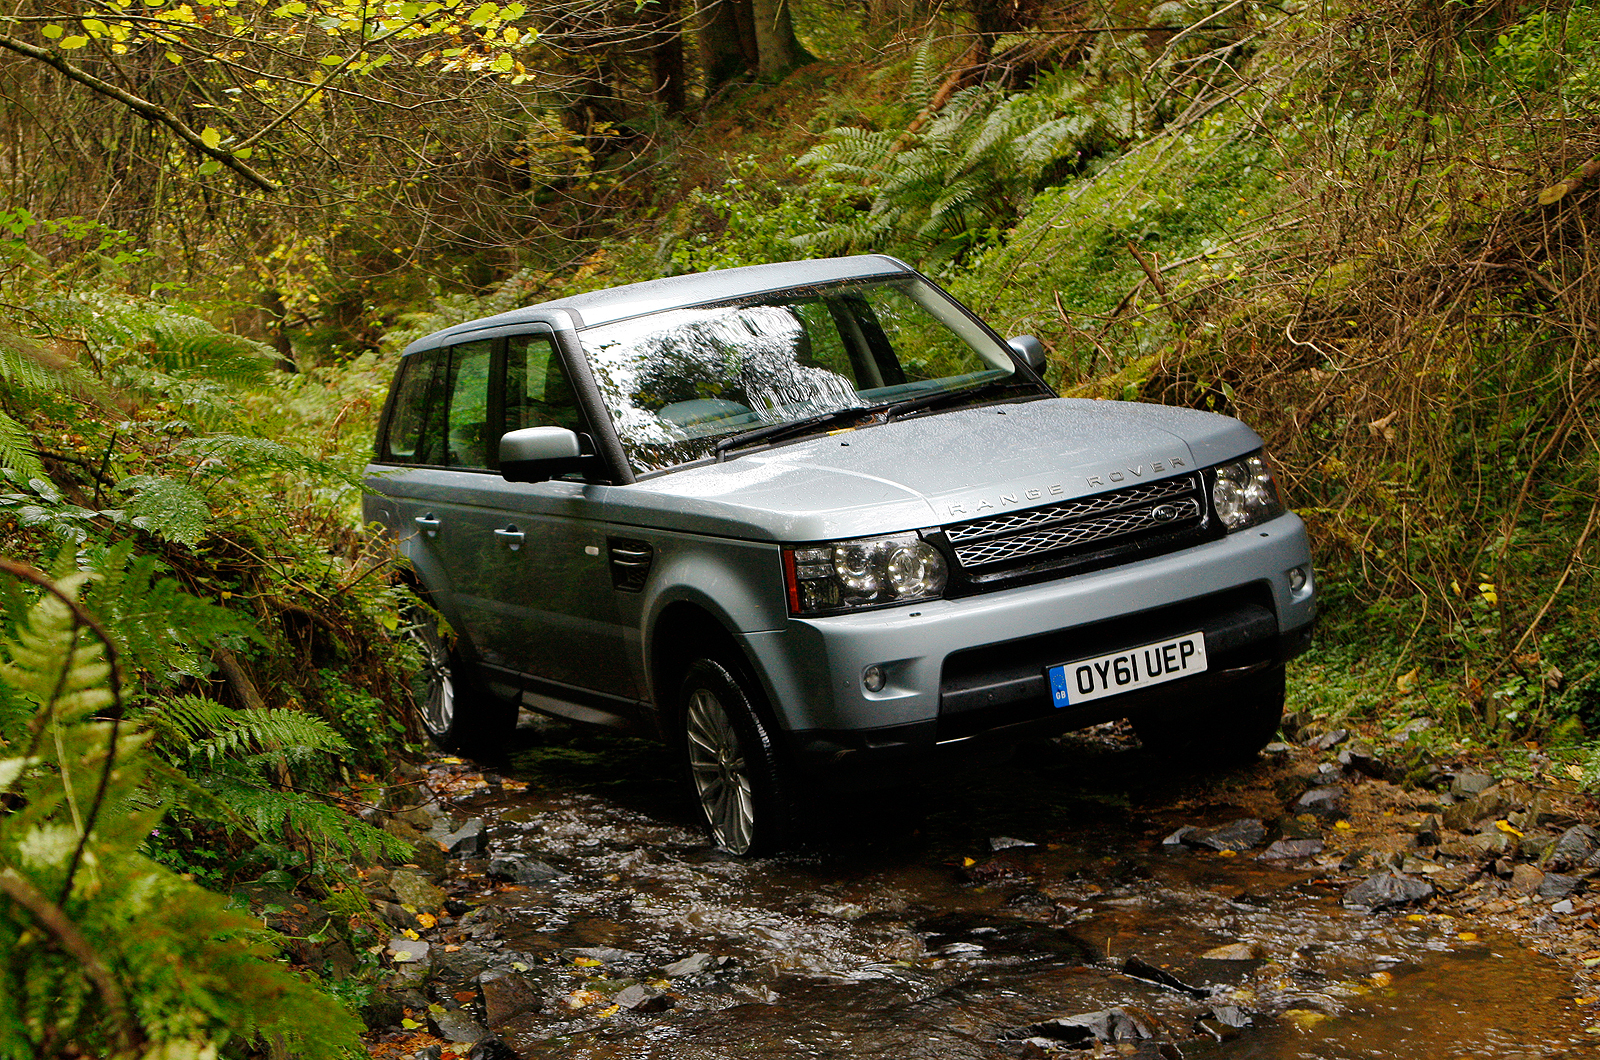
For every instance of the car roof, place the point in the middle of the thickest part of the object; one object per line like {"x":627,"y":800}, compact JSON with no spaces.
{"x":673,"y":292}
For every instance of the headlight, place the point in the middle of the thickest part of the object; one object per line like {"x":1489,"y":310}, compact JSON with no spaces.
{"x":1244,"y":493}
{"x":867,"y":572}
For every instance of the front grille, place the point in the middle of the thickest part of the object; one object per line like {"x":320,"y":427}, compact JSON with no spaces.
{"x":1119,"y":519}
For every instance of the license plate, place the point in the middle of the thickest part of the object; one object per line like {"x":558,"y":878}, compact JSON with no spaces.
{"x":1124,"y":671}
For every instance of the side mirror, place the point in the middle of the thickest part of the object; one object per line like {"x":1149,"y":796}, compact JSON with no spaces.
{"x":537,"y":454}
{"x":1030,"y":350}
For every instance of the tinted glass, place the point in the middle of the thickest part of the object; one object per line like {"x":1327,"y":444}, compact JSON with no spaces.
{"x":408,"y":424}
{"x":469,"y":405}
{"x":537,"y":391}
{"x":676,"y":382}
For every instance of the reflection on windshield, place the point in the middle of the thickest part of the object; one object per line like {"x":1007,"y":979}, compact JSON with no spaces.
{"x":675,"y":382}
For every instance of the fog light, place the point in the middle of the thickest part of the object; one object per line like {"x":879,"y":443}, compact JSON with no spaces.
{"x":1297,"y":579}
{"x":873,"y":678}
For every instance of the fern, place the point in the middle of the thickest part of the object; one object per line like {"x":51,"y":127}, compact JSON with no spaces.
{"x":17,"y":453}
{"x":148,"y":963}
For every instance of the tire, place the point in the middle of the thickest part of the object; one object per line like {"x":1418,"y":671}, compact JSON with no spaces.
{"x":456,"y":711}
{"x":1241,"y":720}
{"x":733,"y":761}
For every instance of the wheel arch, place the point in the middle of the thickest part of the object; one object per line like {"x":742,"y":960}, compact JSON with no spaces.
{"x":683,"y":631}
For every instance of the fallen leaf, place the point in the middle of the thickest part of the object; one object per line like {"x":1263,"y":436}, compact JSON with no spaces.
{"x":1468,"y":936}
{"x":967,"y":863}
{"x":1406,"y":682}
{"x":586,"y":962}
{"x":1553,"y":193}
{"x":1508,"y":828}
{"x":1343,"y":826}
{"x":427,"y":920}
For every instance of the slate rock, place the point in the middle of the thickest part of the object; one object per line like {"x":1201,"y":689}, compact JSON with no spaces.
{"x":1472,"y":809}
{"x":1290,"y":849}
{"x":1324,"y":801}
{"x":506,"y":996}
{"x":519,"y":868}
{"x":1525,"y":879}
{"x":1005,"y":842}
{"x":1113,"y":1025}
{"x":1385,"y":890}
{"x":1469,"y":782}
{"x":493,"y":1049}
{"x":604,"y":954}
{"x":1238,"y":951}
{"x":466,"y":841}
{"x":1559,"y":885}
{"x":1240,"y":835}
{"x":465,"y":964}
{"x":408,"y":951}
{"x":1453,"y":880}
{"x":1180,"y":837}
{"x":1564,"y":906}
{"x":1329,"y":740}
{"x":641,"y":998}
{"x":694,"y":964}
{"x":1428,"y":831}
{"x":396,"y":915}
{"x":1574,"y":847}
{"x":1139,"y":968}
{"x":1362,"y":758}
{"x":454,"y":1025}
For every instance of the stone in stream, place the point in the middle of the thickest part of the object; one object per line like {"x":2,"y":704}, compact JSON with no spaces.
{"x":642,"y":998}
{"x":454,"y":1025}
{"x":415,"y":891}
{"x":493,"y":1049}
{"x":1525,"y":879}
{"x":1329,"y":740}
{"x":1115,"y":1026}
{"x":1468,"y":782}
{"x":1139,"y":968}
{"x":1559,"y":885}
{"x":466,"y":841}
{"x":1324,"y":801}
{"x":694,"y":964}
{"x":1240,"y":835}
{"x":1385,"y":890}
{"x":1290,"y":849}
{"x":519,"y":868}
{"x":507,"y":996}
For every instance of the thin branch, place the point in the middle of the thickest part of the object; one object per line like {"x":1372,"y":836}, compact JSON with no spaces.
{"x":143,"y":107}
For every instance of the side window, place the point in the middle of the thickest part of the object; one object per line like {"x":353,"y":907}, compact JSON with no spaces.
{"x":409,"y":440}
{"x":469,"y":405}
{"x":537,"y":391}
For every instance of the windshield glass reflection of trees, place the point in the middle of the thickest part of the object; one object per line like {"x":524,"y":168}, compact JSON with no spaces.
{"x":677,"y":382}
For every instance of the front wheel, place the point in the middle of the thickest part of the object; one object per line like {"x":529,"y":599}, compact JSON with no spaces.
{"x":1238,"y":722}
{"x":456,"y":711}
{"x":733,"y":761}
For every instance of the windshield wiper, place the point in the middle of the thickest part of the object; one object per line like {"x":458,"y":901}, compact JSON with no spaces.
{"x":778,"y":431}
{"x":928,"y":401}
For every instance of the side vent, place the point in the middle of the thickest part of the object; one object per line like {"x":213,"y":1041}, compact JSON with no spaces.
{"x":630,"y":563}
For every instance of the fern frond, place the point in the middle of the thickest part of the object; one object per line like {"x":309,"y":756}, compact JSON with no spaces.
{"x":168,"y":508}
{"x":17,"y":453}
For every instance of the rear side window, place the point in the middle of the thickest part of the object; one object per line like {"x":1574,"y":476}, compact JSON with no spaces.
{"x":441,"y":409}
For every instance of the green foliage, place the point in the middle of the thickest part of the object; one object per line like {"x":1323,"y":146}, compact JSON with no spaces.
{"x":103,"y":951}
{"x":755,"y":220}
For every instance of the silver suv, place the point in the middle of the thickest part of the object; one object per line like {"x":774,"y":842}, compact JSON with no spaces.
{"x":813,"y":523}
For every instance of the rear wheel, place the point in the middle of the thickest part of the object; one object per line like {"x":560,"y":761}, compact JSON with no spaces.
{"x":1240,"y":721}
{"x":455,"y":709}
{"x":733,"y":761}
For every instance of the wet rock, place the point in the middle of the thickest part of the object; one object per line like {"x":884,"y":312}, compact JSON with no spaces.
{"x":1534,"y":844}
{"x":1238,"y":951}
{"x":424,"y":852}
{"x":1386,"y":890}
{"x":415,"y":891}
{"x":1429,"y":831}
{"x":1329,"y":740}
{"x":1574,"y":847}
{"x":466,"y":964}
{"x":493,"y":1049}
{"x":1525,"y":879}
{"x":408,"y":951}
{"x":604,"y":954}
{"x":1325,"y":801}
{"x":1114,"y":1026}
{"x":1564,"y":906}
{"x":1467,"y":783}
{"x":507,"y":996}
{"x":1139,"y":968}
{"x":397,"y":916}
{"x":1030,"y":898}
{"x":1492,"y":844}
{"x":456,"y":1026}
{"x":1180,"y":837}
{"x":642,"y":998}
{"x":1412,"y":865}
{"x":519,"y":868}
{"x":1301,"y":826}
{"x":466,"y":841}
{"x":1290,"y":849}
{"x":1240,"y":835}
{"x":1222,"y":1022}
{"x":1004,"y":842}
{"x":693,"y":964}
{"x":1559,"y":885}
{"x":429,"y":1052}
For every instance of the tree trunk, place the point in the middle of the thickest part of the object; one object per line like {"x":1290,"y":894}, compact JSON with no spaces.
{"x":723,"y":56}
{"x":777,"y":49}
{"x":666,"y":53}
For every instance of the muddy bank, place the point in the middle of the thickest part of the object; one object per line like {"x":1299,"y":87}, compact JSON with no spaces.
{"x":1078,"y":898}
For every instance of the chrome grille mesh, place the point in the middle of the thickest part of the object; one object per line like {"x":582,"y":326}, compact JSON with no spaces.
{"x":1102,"y":520}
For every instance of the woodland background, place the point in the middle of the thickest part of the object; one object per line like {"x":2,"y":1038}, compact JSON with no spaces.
{"x":1364,"y":228}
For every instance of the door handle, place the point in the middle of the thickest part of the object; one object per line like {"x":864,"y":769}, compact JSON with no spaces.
{"x":510,"y":535}
{"x":428,"y":522}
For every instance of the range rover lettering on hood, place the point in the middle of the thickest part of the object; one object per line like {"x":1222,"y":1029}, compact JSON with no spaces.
{"x":975,"y":506}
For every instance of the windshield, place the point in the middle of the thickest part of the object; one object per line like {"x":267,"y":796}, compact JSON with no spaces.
{"x":679,"y":381}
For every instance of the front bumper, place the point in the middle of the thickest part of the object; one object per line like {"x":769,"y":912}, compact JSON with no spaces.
{"x":973,"y":668}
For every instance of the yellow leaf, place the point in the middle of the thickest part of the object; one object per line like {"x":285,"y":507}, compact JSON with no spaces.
{"x":1406,"y":682}
{"x":212,"y":138}
{"x":408,"y":933}
{"x":609,"y":1011}
{"x":1508,"y":828}
{"x":1227,"y":853}
{"x":967,"y":863}
{"x":1343,"y":826}
{"x":427,"y":920}
{"x":75,"y":41}
{"x":53,"y":32}
{"x":586,"y":962}
{"x":1553,"y":193}
{"x":1416,"y":918}
{"x":1468,"y":936}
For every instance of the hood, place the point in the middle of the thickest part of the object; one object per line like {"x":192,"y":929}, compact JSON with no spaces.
{"x":933,"y":470}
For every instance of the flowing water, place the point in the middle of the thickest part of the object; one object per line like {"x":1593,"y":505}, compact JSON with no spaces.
{"x":959,"y":921}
